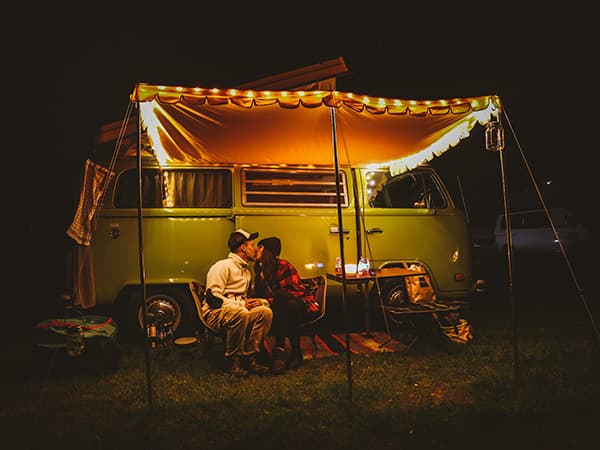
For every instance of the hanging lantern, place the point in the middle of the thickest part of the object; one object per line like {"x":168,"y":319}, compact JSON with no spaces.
{"x":494,"y":136}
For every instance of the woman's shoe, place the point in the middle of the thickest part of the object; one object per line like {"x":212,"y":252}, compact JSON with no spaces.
{"x":278,"y":362}
{"x":295,"y":359}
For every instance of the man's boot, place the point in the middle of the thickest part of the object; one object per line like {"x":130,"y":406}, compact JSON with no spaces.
{"x":234,"y":367}
{"x":255,"y":367}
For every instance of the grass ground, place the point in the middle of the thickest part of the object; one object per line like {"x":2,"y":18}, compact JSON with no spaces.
{"x":434,"y":395}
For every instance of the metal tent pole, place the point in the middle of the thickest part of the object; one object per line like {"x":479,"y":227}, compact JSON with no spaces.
{"x":141,"y":261}
{"x":341,"y":239}
{"x":509,"y":262}
{"x":494,"y":141}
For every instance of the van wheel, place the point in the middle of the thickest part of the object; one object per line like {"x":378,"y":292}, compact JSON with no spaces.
{"x":164,"y":304}
{"x":393,"y":293}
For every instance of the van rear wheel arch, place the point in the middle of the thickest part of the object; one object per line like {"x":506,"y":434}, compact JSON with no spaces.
{"x":163,"y":304}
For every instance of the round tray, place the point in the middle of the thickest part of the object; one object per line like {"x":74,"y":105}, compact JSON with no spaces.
{"x":185,"y":341}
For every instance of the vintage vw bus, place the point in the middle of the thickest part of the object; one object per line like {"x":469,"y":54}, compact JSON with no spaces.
{"x":268,"y":161}
{"x":189,"y":211}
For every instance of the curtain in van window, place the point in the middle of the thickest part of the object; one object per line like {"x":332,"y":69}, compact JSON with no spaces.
{"x":126,"y":193}
{"x":197,"y":189}
{"x":175,"y":189}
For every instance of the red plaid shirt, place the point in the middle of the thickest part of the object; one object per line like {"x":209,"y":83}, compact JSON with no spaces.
{"x":289,"y":279}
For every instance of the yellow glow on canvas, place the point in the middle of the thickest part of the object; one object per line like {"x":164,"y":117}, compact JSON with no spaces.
{"x":185,"y":124}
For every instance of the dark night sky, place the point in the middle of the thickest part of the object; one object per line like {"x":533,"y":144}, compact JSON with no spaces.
{"x":72,"y":71}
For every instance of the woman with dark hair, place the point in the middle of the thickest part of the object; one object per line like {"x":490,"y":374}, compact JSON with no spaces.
{"x":277,"y":280}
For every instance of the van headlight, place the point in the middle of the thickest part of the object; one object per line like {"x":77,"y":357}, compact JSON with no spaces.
{"x":455,"y":256}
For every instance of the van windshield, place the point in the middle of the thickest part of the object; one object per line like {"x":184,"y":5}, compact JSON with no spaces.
{"x":407,"y":190}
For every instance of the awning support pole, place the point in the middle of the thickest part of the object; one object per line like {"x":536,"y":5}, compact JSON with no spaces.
{"x":509,"y":262}
{"x":341,"y":239}
{"x":141,"y":261}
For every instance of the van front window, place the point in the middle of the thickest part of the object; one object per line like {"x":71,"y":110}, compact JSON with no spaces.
{"x":407,"y":190}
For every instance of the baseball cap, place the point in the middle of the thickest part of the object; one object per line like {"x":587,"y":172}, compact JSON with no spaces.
{"x":238,"y":237}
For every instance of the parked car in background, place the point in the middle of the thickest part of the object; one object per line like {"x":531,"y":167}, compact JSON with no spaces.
{"x":532,"y":232}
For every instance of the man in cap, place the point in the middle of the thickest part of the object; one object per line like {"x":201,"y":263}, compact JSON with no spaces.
{"x":246,"y":321}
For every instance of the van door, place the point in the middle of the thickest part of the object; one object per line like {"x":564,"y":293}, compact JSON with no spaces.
{"x":411,"y":217}
{"x":187,"y":219}
{"x":300,"y":207}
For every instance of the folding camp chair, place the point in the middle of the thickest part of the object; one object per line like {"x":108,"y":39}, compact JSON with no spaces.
{"x":210,"y":335}
{"x":310,"y":326}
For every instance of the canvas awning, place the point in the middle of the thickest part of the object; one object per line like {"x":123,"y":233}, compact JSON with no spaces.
{"x":215,"y":126}
{"x":194,"y":125}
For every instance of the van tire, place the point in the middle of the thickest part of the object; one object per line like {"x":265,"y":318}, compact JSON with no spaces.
{"x":393,"y":293}
{"x":166,"y":304}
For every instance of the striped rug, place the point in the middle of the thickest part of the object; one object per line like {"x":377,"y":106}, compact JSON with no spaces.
{"x":335,"y":344}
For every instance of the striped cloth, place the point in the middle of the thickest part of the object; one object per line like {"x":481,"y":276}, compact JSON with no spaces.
{"x":95,"y":181}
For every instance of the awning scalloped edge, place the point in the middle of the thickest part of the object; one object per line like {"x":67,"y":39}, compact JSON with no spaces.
{"x":311,"y":99}
{"x":440,"y":146}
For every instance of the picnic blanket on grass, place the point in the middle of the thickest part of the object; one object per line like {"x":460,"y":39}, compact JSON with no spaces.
{"x":331,"y":344}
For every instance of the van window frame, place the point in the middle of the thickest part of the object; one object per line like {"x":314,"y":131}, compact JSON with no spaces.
{"x":430,"y":192}
{"x":272,"y":186}
{"x":155,"y":192}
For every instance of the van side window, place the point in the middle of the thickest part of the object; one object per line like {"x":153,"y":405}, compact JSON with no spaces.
{"x":407,"y":190}
{"x":279,"y":187}
{"x":126,"y":192}
{"x":175,"y":189}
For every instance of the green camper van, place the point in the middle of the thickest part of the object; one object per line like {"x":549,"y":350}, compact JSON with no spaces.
{"x":189,"y":211}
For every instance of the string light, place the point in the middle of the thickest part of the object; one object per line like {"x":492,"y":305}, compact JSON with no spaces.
{"x":143,"y":92}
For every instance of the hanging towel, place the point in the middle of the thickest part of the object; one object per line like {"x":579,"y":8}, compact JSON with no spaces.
{"x":95,"y":181}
